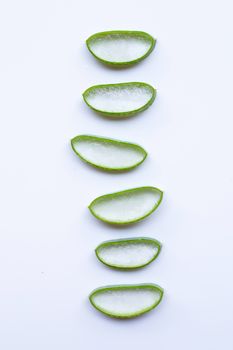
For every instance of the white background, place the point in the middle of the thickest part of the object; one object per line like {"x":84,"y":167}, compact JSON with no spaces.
{"x":47,"y":263}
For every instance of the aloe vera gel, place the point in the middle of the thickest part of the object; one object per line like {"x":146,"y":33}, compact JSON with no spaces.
{"x":120,"y":48}
{"x":108,"y":154}
{"x":127,"y":206}
{"x":128,"y":253}
{"x":120,"y":100}
{"x":126,"y":301}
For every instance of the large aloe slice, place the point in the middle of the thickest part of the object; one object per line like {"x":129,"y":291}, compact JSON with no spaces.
{"x":120,"y":47}
{"x":130,"y":253}
{"x":126,"y":301}
{"x":120,"y":100}
{"x":128,"y":206}
{"x":108,"y":154}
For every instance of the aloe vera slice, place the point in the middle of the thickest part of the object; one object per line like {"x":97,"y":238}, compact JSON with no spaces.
{"x":120,"y":47}
{"x":126,"y":301}
{"x":127,"y":206}
{"x":120,"y":100}
{"x":130,"y":253}
{"x":108,"y":154}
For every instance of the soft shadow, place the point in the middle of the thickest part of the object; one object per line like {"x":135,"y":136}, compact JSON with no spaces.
{"x":147,"y":315}
{"x":76,"y":158}
{"x":127,"y":226}
{"x":131,"y":271}
{"x":114,"y":67}
{"x":113,"y":119}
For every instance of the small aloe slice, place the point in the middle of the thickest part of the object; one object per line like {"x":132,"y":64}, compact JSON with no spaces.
{"x":127,"y":206}
{"x":120,"y":100}
{"x":130,"y":253}
{"x":126,"y":301}
{"x":120,"y":47}
{"x":108,"y":154}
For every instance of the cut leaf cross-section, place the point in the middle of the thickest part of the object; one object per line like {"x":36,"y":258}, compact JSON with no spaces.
{"x":129,"y":253}
{"x":120,"y":48}
{"x":127,"y":206}
{"x":126,"y":301}
{"x":108,"y":154}
{"x":120,"y":100}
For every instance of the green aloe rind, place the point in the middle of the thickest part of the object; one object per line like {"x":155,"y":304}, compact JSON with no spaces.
{"x":108,"y":154}
{"x":129,"y":253}
{"x":120,"y":48}
{"x":126,"y":301}
{"x":120,"y":100}
{"x":126,"y":207}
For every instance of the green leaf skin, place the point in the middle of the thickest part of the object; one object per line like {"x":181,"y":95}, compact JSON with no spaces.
{"x":138,"y":288}
{"x":130,"y":197}
{"x":124,"y":34}
{"x":102,"y":141}
{"x":104,"y":88}
{"x":136,"y":241}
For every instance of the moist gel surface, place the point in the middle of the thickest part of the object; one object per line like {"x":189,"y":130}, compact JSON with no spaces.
{"x":119,"y":99}
{"x":110,"y":155}
{"x":126,"y":206}
{"x":126,"y":302}
{"x":120,"y":48}
{"x":128,"y":254}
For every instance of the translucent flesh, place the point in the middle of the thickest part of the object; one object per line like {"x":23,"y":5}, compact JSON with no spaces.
{"x":126,"y":302}
{"x":119,"y":47}
{"x":126,"y":207}
{"x":119,"y":99}
{"x":128,"y":254}
{"x":108,"y":154}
